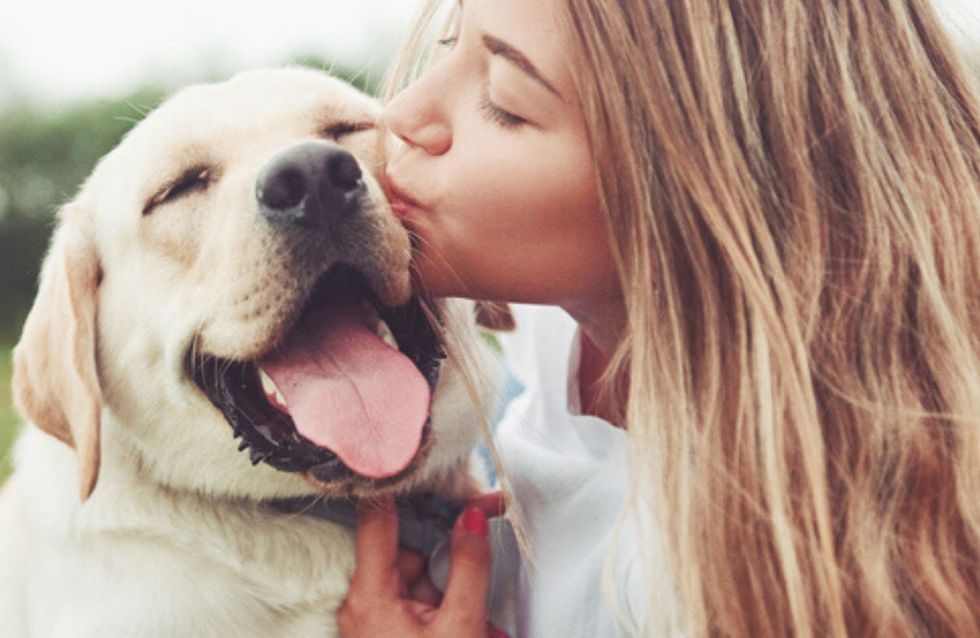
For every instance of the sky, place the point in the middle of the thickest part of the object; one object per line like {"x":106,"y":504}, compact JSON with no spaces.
{"x":57,"y":51}
{"x":63,"y":50}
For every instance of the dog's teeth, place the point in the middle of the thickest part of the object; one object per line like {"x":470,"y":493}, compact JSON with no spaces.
{"x":270,"y":389}
{"x":386,"y":335}
{"x":267,"y":383}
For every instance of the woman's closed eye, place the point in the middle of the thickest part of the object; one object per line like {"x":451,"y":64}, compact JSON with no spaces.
{"x":497,"y":115}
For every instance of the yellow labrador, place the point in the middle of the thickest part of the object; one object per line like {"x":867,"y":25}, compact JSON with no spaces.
{"x":225,"y":320}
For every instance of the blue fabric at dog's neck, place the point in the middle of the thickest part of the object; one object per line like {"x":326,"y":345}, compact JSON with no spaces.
{"x":424,"y":525}
{"x":424,"y":521}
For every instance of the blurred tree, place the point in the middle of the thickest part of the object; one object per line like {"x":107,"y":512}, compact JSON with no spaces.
{"x":43,"y":159}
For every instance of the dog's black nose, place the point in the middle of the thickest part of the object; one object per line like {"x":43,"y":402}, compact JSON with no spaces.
{"x":314,"y":185}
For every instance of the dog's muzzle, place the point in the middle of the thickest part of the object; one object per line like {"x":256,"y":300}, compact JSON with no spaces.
{"x":345,"y":393}
{"x":263,"y":418}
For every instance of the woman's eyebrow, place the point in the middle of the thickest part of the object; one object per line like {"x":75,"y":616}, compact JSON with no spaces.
{"x":496,"y":46}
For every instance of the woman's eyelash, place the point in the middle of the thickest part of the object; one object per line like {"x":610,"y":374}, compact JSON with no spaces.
{"x":449,"y":42}
{"x":497,"y":115}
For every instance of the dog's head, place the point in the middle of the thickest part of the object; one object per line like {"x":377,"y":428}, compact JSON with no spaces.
{"x":233,"y":267}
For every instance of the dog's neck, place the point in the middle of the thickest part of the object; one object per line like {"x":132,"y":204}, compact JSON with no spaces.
{"x":424,"y":520}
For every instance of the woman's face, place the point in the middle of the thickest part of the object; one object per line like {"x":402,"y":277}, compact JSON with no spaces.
{"x":495,"y":171}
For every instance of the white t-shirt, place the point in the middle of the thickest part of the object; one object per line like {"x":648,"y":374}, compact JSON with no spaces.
{"x":569,"y":473}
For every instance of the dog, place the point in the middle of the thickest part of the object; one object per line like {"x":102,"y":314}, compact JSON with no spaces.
{"x":225,"y":319}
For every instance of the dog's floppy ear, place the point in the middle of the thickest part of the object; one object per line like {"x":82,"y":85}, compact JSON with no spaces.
{"x":55,"y":382}
{"x":495,"y":315}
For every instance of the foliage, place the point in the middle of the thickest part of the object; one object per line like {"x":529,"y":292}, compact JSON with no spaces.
{"x":43,"y":160}
{"x":9,"y":421}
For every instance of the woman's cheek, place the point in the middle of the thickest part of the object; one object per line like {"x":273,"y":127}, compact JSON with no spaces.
{"x":513,"y":219}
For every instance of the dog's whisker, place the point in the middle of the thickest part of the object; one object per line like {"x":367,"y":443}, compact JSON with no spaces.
{"x":361,"y":75}
{"x":430,"y":254}
{"x":143,"y":111}
{"x":128,"y":120}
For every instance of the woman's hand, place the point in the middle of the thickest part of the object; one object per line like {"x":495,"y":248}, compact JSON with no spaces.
{"x":377,"y":602}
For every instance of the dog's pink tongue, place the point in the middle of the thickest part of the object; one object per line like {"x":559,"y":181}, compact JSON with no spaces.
{"x":350,"y":392}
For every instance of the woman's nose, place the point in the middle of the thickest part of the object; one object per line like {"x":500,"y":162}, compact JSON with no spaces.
{"x":418,"y":123}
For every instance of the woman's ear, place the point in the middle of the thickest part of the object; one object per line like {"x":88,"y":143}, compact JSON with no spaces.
{"x":495,"y":315}
{"x":55,"y":382}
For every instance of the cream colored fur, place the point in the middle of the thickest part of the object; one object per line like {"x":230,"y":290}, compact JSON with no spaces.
{"x":132,"y":513}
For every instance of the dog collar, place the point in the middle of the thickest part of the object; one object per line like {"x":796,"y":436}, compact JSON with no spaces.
{"x":424,"y":525}
{"x":424,"y":521}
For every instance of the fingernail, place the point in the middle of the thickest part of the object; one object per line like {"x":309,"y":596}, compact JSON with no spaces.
{"x":475,"y":522}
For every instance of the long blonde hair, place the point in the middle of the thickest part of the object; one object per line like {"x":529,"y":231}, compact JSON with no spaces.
{"x":792,"y":190}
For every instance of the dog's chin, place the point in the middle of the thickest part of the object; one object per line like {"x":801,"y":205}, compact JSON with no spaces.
{"x":257,"y":411}
{"x":345,"y":483}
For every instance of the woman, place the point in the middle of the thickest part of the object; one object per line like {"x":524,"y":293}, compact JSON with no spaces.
{"x":764,"y":216}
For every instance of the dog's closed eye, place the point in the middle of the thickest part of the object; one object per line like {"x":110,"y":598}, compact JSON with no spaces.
{"x":197,"y":178}
{"x":337,"y":130}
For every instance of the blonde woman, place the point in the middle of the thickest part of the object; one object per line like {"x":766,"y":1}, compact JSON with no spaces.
{"x":763,"y":217}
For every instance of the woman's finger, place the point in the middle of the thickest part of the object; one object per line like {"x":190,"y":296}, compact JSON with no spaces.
{"x":376,"y":556}
{"x":425,"y":592}
{"x":492,"y":503}
{"x":412,"y":567}
{"x":464,"y":604}
{"x":423,"y":611}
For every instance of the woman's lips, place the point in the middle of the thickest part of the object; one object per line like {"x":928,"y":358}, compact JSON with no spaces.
{"x":402,"y":204}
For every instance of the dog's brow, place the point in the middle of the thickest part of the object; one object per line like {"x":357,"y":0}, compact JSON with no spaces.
{"x":336,"y":130}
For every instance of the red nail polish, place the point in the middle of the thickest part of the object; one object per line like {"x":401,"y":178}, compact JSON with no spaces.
{"x":475,"y":522}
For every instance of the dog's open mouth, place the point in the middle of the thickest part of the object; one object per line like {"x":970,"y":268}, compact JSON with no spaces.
{"x":346,"y":392}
